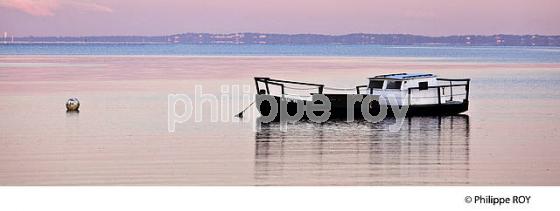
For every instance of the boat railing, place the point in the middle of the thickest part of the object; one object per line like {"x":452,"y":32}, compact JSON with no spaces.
{"x":283,"y":84}
{"x":465,"y":83}
{"x":360,"y":87}
{"x":304,"y":86}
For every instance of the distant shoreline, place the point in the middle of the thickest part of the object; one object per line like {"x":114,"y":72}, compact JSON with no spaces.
{"x":298,"y":39}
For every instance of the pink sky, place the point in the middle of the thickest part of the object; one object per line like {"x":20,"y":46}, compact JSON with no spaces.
{"x":142,"y":17}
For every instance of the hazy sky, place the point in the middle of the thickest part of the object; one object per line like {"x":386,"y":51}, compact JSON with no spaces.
{"x":143,"y":17}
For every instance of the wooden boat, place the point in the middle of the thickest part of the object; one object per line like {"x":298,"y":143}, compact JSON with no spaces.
{"x":423,"y":95}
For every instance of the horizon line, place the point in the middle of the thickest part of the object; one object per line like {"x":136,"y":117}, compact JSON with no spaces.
{"x":291,"y":34}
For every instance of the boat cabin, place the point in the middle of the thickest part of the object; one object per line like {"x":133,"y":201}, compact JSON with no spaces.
{"x":401,"y":81}
{"x":421,"y":88}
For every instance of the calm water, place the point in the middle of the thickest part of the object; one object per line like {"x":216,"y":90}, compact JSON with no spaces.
{"x":509,"y":136}
{"x":427,"y":150}
{"x":477,"y":54}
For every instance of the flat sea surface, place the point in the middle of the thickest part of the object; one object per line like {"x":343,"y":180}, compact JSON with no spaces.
{"x":509,"y":136}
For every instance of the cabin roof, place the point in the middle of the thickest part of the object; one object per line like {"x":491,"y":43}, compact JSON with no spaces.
{"x":404,"y":76}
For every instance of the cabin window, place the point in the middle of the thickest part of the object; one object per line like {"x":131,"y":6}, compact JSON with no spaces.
{"x":374,"y":84}
{"x":423,"y":85}
{"x":394,"y":84}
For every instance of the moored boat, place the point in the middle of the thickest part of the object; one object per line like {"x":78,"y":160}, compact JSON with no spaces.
{"x":420,"y":94}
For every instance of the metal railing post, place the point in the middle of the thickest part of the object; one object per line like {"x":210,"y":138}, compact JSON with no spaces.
{"x":467,"y":89}
{"x":266,"y":84}
{"x":439,"y":96}
{"x":409,"y":93}
{"x":451,"y":89}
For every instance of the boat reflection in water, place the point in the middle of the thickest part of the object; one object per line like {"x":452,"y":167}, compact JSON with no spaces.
{"x":426,"y":151}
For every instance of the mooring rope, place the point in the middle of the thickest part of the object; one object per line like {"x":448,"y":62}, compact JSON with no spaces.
{"x":240,"y":114}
